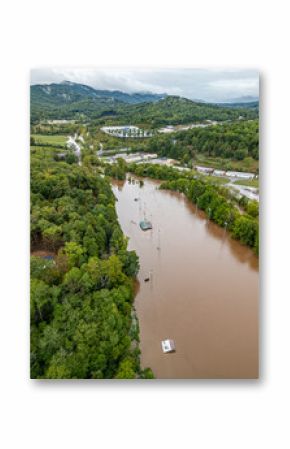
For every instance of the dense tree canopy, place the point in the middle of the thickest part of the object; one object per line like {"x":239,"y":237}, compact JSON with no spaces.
{"x":237,"y":140}
{"x":177,"y":110}
{"x":78,"y":102}
{"x":82,"y":322}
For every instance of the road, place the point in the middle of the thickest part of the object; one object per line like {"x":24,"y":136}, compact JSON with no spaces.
{"x":72,"y":143}
{"x":101,"y":150}
{"x":249,"y":192}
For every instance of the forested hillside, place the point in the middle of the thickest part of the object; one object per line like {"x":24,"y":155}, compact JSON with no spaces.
{"x":76,"y":101}
{"x":82,"y":320}
{"x":238,"y":141}
{"x":177,"y":110}
{"x":68,"y":100}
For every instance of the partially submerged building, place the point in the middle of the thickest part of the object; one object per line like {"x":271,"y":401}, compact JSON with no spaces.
{"x":168,"y":346}
{"x":219,"y":173}
{"x":207,"y":170}
{"x":127,"y":131}
{"x":145,"y":225}
{"x":241,"y":175}
{"x":132,"y":157}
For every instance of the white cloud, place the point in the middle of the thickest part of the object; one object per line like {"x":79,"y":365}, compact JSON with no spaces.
{"x":208,"y":85}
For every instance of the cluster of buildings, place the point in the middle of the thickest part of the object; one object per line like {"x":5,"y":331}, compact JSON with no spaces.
{"x":130,"y":158}
{"x":164,"y":161}
{"x":127,"y":131}
{"x":153,"y":158}
{"x":142,"y":158}
{"x":172,"y":129}
{"x":228,"y":174}
{"x":59,"y":122}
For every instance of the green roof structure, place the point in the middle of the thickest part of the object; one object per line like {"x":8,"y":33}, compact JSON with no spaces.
{"x":145,"y":225}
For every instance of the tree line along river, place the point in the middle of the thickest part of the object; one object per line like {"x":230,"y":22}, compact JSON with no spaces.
{"x":203,"y":288}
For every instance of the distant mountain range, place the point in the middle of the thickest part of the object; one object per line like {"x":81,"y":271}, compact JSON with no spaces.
{"x":242,"y":100}
{"x":69,"y":100}
{"x":68,"y":92}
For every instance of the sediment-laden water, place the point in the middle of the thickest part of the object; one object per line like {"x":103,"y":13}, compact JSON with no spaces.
{"x":202,"y":292}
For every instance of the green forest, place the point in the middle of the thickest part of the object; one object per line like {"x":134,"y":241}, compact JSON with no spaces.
{"x":237,"y":141}
{"x":82,"y":276}
{"x":73,"y":101}
{"x":178,"y":110}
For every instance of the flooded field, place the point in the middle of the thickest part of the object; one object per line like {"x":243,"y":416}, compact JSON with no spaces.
{"x":202,"y":290}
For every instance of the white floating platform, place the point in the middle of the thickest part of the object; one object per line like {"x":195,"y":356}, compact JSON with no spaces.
{"x":168,"y":346}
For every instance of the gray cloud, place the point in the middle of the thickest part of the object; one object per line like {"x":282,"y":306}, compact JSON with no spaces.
{"x":207,"y":85}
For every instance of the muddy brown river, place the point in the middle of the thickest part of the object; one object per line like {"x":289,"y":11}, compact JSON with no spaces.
{"x":202,"y":292}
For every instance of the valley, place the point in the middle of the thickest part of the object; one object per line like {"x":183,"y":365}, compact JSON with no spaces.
{"x":100,"y":163}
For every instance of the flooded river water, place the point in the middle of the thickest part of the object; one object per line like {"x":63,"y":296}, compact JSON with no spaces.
{"x":203,"y":288}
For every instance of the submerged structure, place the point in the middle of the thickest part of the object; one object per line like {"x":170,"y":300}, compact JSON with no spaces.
{"x":168,"y":346}
{"x":145,"y":225}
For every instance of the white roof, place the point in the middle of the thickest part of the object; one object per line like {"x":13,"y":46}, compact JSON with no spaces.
{"x":238,"y":174}
{"x":116,"y":128}
{"x":168,"y":345}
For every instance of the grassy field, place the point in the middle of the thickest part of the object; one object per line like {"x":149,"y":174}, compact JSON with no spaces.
{"x":248,"y":164}
{"x":217,"y":179}
{"x":50,"y":140}
{"x":249,"y":183}
{"x":213,"y":179}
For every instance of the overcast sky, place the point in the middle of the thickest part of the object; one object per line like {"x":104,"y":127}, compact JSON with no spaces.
{"x":197,"y":84}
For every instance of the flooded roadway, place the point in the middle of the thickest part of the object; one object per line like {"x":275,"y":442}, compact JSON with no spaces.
{"x":203,"y":288}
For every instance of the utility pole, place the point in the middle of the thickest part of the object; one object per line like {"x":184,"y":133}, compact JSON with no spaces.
{"x":226,"y":225}
{"x":209,"y":214}
{"x":158,"y":244}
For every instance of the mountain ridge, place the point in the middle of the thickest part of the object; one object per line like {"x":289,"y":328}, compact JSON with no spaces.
{"x":68,"y":100}
{"x":70,"y":91}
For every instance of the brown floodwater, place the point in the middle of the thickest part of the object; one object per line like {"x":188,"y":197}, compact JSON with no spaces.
{"x":203,"y":288}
